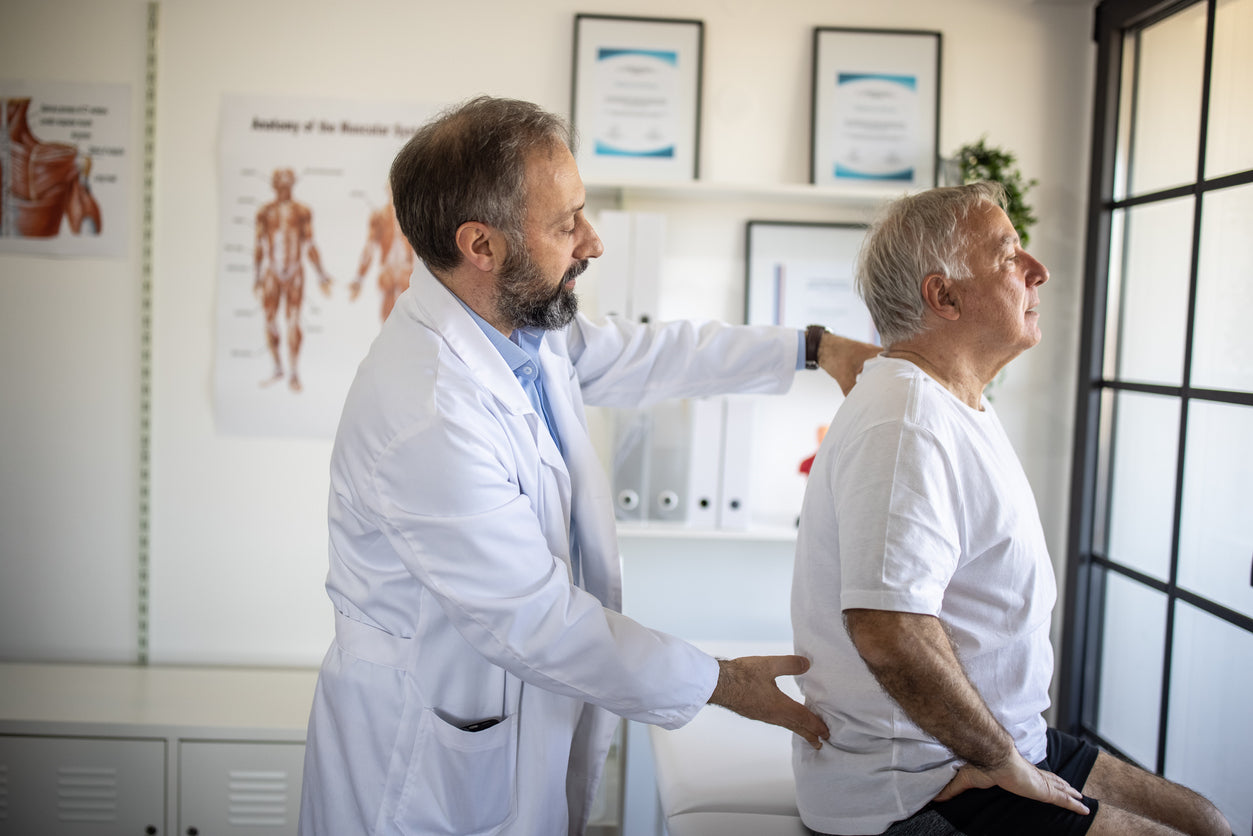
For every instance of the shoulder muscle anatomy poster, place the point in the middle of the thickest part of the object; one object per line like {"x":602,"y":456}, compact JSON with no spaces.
{"x":311,"y":260}
{"x":64,"y":168}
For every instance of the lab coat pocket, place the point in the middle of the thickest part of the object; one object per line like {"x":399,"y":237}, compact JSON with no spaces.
{"x":460,"y":782}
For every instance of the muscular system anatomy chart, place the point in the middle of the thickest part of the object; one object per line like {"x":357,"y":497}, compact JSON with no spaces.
{"x":310,"y":260}
{"x":388,"y":245}
{"x":64,"y":167}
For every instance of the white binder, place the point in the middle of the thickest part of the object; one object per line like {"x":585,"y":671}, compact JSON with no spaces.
{"x":735,"y":506}
{"x":613,"y":269}
{"x":628,"y":285}
{"x":648,"y":243}
{"x":629,"y":273}
{"x":704,"y":487}
{"x":669,"y":470}
{"x":631,"y":460}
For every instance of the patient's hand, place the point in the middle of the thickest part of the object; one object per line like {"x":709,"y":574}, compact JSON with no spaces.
{"x":747,"y":687}
{"x":1020,"y":778}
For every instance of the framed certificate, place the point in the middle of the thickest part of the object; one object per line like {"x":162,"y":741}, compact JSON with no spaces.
{"x":876,"y":108}
{"x":636,"y":97}
{"x":801,"y":274}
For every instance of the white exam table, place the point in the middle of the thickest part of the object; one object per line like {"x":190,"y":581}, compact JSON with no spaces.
{"x":724,"y":775}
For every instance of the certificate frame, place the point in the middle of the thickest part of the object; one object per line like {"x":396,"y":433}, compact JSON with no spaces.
{"x":635,"y":99}
{"x":800,"y":273}
{"x":875,"y":114}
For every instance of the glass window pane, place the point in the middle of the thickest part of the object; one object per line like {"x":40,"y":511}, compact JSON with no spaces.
{"x":1209,"y":733}
{"x":1113,"y":292}
{"x":1216,"y":530}
{"x":1150,"y":317}
{"x":1105,"y":453}
{"x":1132,"y":649}
{"x":1229,"y":145}
{"x":1222,"y":342}
{"x":1142,"y":482}
{"x":1167,"y":119}
{"x":1123,"y":133}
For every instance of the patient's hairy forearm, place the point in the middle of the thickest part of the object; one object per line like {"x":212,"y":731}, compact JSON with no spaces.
{"x":913,"y":660}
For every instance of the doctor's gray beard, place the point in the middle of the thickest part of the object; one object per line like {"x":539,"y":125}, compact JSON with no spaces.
{"x":524,"y":297}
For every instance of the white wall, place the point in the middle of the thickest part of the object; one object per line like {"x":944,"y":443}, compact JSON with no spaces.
{"x":238,"y":528}
{"x":69,"y":373}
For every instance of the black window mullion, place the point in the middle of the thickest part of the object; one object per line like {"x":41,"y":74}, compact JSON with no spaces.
{"x":1230,"y":396}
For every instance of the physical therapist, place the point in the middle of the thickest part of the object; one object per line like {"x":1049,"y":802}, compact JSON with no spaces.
{"x":480,"y":660}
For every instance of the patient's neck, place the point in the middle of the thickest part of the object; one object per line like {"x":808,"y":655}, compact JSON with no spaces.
{"x":946,"y":367}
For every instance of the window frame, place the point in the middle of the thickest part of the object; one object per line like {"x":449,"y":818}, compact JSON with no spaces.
{"x":1079,"y":673}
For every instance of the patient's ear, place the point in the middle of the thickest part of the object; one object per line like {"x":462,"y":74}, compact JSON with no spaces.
{"x":942,"y":295}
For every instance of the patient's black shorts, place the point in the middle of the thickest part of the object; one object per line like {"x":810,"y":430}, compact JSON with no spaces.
{"x":996,"y":811}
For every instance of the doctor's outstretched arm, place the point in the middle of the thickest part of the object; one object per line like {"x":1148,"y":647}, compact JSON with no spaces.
{"x":746,"y":686}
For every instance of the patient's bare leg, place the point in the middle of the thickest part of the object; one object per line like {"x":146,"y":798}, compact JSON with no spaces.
{"x":1134,"y":801}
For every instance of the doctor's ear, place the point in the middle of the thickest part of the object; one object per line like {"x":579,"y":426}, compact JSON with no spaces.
{"x":942,"y":295}
{"x":481,"y":245}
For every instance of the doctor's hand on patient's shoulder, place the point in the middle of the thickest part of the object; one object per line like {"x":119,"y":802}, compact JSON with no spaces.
{"x":843,"y":358}
{"x":747,"y":687}
{"x":1018,"y":776}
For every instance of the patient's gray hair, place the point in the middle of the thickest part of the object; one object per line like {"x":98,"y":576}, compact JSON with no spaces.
{"x":914,"y":237}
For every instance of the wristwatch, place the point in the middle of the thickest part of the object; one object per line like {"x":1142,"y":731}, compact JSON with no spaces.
{"x":813,"y":336}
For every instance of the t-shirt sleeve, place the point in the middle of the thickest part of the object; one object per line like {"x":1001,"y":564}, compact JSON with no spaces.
{"x":898,"y":514}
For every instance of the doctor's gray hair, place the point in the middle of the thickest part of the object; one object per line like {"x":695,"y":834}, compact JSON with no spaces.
{"x":914,"y":237}
{"x":469,"y":164}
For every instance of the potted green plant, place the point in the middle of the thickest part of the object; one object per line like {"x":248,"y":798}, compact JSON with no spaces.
{"x":979,"y":161}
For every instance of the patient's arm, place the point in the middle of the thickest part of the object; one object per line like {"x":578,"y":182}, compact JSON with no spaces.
{"x":912,"y":658}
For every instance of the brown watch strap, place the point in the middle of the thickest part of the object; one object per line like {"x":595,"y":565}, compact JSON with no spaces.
{"x":813,"y":336}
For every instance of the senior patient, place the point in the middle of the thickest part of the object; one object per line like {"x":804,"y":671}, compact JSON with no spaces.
{"x":923,"y":591}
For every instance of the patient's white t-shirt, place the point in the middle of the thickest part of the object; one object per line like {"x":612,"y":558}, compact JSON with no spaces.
{"x":915,"y":503}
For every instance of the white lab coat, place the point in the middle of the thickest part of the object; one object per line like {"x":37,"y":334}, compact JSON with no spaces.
{"x":450,"y":572}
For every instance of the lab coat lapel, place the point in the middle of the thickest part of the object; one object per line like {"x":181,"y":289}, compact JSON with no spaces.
{"x":438,"y":308}
{"x":591,"y":507}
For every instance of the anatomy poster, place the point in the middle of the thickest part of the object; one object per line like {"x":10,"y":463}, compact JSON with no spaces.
{"x":65,"y":158}
{"x":311,"y":259}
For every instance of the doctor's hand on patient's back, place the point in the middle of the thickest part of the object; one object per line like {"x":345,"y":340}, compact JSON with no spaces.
{"x":747,"y":687}
{"x":843,"y":358}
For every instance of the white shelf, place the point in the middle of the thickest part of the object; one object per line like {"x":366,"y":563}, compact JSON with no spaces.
{"x":714,"y":191}
{"x":679,"y":531}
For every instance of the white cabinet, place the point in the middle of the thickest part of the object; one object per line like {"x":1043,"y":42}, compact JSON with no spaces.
{"x":55,"y":786}
{"x":233,"y":789}
{"x":98,"y":750}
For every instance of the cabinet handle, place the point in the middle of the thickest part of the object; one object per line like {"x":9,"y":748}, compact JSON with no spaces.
{"x":192,"y":831}
{"x":151,"y":830}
